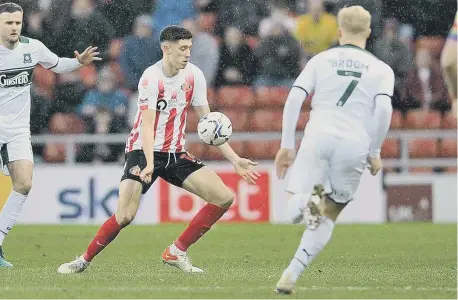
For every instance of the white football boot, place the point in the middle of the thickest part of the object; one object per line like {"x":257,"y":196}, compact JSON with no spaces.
{"x":285,"y":284}
{"x":179,"y":260}
{"x":76,"y":266}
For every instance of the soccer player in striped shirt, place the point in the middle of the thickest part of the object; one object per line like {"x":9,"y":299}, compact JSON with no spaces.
{"x":156,"y":148}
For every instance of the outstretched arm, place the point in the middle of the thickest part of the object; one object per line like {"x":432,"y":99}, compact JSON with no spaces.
{"x":243,"y":166}
{"x":61,"y":65}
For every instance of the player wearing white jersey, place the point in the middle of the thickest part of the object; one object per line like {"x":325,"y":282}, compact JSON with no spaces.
{"x":350,"y":117}
{"x":18,"y":57}
{"x":156,"y":148}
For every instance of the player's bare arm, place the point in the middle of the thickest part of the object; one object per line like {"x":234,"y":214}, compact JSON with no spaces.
{"x":148,"y":118}
{"x":243,"y":166}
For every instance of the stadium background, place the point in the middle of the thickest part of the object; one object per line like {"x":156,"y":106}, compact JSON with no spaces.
{"x":250,"y":53}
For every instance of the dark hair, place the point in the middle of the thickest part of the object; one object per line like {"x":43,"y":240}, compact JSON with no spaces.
{"x":10,"y":8}
{"x":174,"y":33}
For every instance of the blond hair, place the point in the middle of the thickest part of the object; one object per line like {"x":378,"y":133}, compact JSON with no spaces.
{"x":354,"y":20}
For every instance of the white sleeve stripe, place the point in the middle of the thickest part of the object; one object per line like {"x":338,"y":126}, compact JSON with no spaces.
{"x":299,"y":87}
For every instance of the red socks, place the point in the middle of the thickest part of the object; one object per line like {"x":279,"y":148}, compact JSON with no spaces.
{"x":107,"y":233}
{"x":200,"y":224}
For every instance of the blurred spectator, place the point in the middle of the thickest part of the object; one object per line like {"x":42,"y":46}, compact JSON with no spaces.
{"x":35,"y":27}
{"x":246,"y":14}
{"x":69,"y":92}
{"x":119,"y":13}
{"x":172,"y":13}
{"x":205,"y":51}
{"x":40,"y":115}
{"x":208,"y":6}
{"x":425,"y":85}
{"x":57,"y":15}
{"x":143,"y":7}
{"x":237,"y":63}
{"x":84,"y":27}
{"x":279,"y":14}
{"x":103,"y":110}
{"x":317,"y":30}
{"x":279,"y":56}
{"x":139,"y":51}
{"x":393,"y":52}
{"x":40,"y":111}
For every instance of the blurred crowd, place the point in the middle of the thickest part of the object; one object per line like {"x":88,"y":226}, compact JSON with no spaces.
{"x":257,"y":44}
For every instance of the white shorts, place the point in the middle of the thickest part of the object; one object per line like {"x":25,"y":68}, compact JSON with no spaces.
{"x":331,"y":161}
{"x":16,"y":148}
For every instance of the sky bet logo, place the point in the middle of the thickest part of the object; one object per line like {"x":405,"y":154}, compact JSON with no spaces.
{"x":78,"y":202}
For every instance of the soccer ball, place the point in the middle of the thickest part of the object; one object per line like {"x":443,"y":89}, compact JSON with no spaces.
{"x":214,"y":128}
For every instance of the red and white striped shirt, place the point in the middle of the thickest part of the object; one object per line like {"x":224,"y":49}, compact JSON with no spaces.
{"x":171,"y":98}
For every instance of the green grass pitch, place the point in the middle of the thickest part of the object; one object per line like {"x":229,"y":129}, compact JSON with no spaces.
{"x":411,"y":260}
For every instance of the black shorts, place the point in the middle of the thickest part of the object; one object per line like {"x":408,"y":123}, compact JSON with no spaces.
{"x":172,"y":167}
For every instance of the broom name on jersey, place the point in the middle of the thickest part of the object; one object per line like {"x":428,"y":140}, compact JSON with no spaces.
{"x":345,"y":81}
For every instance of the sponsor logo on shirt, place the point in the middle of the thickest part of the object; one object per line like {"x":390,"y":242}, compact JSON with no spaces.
{"x":16,"y":78}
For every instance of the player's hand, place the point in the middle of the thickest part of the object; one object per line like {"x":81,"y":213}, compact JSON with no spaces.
{"x":89,"y":55}
{"x":375,"y":164}
{"x":283,"y":160}
{"x":245,"y":168}
{"x":146,"y":173}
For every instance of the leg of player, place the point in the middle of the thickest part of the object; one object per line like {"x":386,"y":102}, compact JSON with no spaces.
{"x":128,"y":203}
{"x":313,"y":240}
{"x":21,"y":172}
{"x":297,"y":204}
{"x":207,"y":185}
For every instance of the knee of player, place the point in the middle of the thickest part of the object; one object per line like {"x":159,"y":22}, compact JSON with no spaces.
{"x":23,"y":186}
{"x":331,"y":209}
{"x":226,"y":198}
{"x":124,"y":219}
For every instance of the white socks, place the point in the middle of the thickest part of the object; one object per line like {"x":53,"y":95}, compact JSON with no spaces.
{"x":175,"y":251}
{"x":312,"y":242}
{"x":10,"y":213}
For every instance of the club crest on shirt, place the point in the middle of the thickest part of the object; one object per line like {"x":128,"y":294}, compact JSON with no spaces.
{"x":27,"y":58}
{"x":186,"y":87}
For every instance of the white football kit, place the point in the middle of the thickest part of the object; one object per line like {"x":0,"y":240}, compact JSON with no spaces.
{"x":346,"y":82}
{"x":171,"y":97}
{"x":16,"y":70}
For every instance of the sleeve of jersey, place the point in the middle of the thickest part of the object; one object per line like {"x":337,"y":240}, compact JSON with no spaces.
{"x":199,"y":97}
{"x":382,"y":113}
{"x":52,"y":62}
{"x":149,"y":92}
{"x":306,"y":80}
{"x":290,"y":116}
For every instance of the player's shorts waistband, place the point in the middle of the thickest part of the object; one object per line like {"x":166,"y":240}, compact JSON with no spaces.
{"x":162,"y":154}
{"x":167,"y":154}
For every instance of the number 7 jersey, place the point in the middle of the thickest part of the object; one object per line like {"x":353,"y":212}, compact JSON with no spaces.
{"x":345,"y":82}
{"x":171,"y":98}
